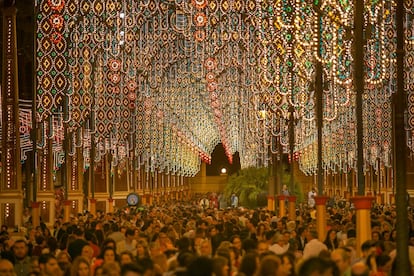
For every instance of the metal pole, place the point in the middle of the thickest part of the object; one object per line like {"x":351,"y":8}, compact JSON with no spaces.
{"x":319,"y":109}
{"x":292,"y":146}
{"x":358,"y":53}
{"x":400,"y":105}
{"x":34,"y":103}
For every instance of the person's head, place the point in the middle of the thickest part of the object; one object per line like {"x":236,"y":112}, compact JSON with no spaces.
{"x":111,"y":269}
{"x":312,"y":234}
{"x":126,"y":257}
{"x":99,"y":271}
{"x":48,"y":265}
{"x":249,"y":264}
{"x":6,"y":268}
{"x":302,"y":232}
{"x":220,"y":266}
{"x":63,"y":257}
{"x":80,"y":267}
{"x":269,"y":265}
{"x":34,"y":264}
{"x":20,"y":249}
{"x":384,"y":263}
{"x":131,"y":270}
{"x":368,"y":248}
{"x":287,"y":264}
{"x":280,"y":239}
{"x":87,"y":252}
{"x":142,"y":248}
{"x":129,"y":234}
{"x":376,"y":236}
{"x":342,"y":259}
{"x":205,"y":248}
{"x":236,"y":241}
{"x":262,"y":247}
{"x":108,"y":255}
{"x":109,"y":243}
{"x":317,"y":266}
{"x":201,"y":266}
{"x":331,"y":235}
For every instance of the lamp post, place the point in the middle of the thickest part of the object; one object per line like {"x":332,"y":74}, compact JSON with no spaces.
{"x":291,"y":127}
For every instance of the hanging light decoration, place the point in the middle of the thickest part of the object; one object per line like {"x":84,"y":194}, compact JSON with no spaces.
{"x":165,"y":81}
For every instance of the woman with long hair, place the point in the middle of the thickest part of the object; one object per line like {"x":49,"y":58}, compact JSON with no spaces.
{"x":142,"y":250}
{"x":80,"y":267}
{"x":221,"y":266}
{"x":331,"y":240}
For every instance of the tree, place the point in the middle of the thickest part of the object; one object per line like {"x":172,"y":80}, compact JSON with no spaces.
{"x":249,"y":185}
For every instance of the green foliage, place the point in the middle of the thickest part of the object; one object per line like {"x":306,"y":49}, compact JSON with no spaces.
{"x":248,"y":184}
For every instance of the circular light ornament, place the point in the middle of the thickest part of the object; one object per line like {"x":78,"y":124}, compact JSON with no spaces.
{"x":114,"y":64}
{"x":57,"y":21}
{"x":200,"y":19}
{"x":210,"y":63}
{"x":56,"y":5}
{"x":210,"y":77}
{"x":212,"y":86}
{"x":199,"y":35}
{"x":199,"y":4}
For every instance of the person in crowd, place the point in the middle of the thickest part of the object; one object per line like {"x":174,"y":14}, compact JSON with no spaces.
{"x":131,"y":269}
{"x":128,"y":243}
{"x":249,"y":264}
{"x":331,"y":240}
{"x":280,"y":245}
{"x":234,"y":201}
{"x":200,"y":266}
{"x":22,"y":264}
{"x":287,"y":267}
{"x":126,"y":257}
{"x":269,"y":265}
{"x":237,"y":248}
{"x":314,"y":247}
{"x":342,"y":258}
{"x":311,"y":197}
{"x":80,"y":267}
{"x":49,"y":266}
{"x":318,"y":266}
{"x":220,"y":266}
{"x":108,"y":255}
{"x":359,"y":269}
{"x":6,"y":268}
{"x":111,"y":269}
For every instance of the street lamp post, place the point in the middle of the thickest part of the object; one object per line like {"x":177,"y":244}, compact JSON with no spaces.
{"x":291,"y":126}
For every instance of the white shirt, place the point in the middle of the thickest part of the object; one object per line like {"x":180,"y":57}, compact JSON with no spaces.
{"x":279,"y":250}
{"x":313,"y":248}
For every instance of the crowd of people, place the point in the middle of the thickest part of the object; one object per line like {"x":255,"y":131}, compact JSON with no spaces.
{"x":188,"y":239}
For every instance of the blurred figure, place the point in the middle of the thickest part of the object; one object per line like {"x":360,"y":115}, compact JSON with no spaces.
{"x":80,"y":267}
{"x":314,"y":246}
{"x":22,"y":264}
{"x":311,"y":197}
{"x":269,"y":265}
{"x":234,"y":201}
{"x":49,"y":266}
{"x":317,"y":266}
{"x":126,"y":257}
{"x":342,"y":259}
{"x":249,"y":264}
{"x":220,"y":266}
{"x":331,"y":240}
{"x":6,"y":268}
